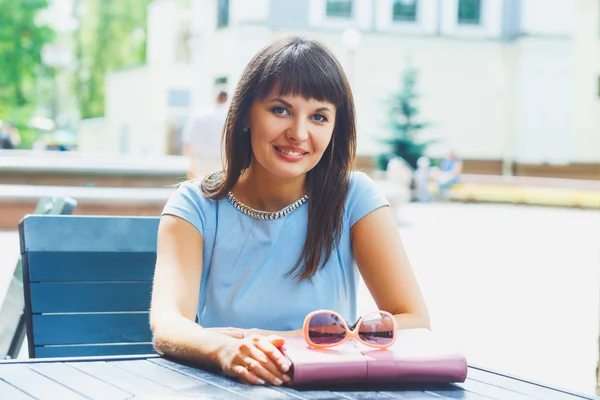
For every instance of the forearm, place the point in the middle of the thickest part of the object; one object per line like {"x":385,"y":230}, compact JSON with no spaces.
{"x":412,"y":321}
{"x":181,"y":338}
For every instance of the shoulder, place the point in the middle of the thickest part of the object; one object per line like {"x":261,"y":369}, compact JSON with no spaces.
{"x":359,"y":179}
{"x":189,"y":203}
{"x":192,"y":189}
{"x":364,"y":196}
{"x":361,"y":185}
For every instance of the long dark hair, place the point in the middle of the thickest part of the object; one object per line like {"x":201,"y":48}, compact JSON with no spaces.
{"x":304,"y":67}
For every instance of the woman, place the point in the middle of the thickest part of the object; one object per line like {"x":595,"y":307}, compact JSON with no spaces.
{"x":250,"y":276}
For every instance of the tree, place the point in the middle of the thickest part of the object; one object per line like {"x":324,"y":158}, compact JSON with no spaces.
{"x":21,"y":43}
{"x":404,"y":125}
{"x":111,"y":36}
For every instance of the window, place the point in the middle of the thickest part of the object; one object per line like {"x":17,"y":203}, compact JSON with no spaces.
{"x":222,"y":13}
{"x":124,"y":138}
{"x":178,"y":98}
{"x":469,"y":12}
{"x":339,"y":8}
{"x":404,"y":10}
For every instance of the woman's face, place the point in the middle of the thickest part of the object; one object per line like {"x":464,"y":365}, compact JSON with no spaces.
{"x":289,"y":134}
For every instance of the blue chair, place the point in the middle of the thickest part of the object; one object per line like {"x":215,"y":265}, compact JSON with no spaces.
{"x":12,"y":316}
{"x":87,"y":283}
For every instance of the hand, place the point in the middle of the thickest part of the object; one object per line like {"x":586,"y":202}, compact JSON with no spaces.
{"x":256,"y":360}
{"x":236,"y":333}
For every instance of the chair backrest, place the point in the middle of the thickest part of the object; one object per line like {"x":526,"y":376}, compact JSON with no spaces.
{"x":87,"y":282}
{"x":12,"y":319}
{"x":55,"y":206}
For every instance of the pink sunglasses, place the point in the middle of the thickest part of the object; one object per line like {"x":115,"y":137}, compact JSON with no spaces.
{"x":325,"y":328}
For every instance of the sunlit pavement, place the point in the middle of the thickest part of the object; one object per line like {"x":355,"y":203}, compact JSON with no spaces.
{"x":516,"y":287}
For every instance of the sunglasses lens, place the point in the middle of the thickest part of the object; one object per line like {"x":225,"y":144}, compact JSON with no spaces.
{"x":377,"y":329}
{"x":326,"y":329}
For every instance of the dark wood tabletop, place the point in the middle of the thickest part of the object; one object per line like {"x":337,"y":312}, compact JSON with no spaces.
{"x":152,"y":377}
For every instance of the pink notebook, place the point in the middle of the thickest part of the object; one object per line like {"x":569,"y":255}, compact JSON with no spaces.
{"x":417,"y":356}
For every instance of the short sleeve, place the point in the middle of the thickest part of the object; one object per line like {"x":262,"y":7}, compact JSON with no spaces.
{"x":189,"y":204}
{"x":364,"y":197}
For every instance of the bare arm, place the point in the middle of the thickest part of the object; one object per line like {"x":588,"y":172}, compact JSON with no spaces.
{"x":175,"y":295}
{"x":384,"y":266}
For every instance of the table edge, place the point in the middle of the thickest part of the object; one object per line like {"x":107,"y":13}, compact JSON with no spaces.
{"x":533,"y":382}
{"x":80,"y":359}
{"x":156,"y":356}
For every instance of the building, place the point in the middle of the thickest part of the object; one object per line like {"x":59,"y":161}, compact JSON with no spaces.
{"x":146,"y":107}
{"x":511,"y":85}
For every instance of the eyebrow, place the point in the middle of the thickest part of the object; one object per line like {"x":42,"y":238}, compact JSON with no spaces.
{"x":320,"y":109}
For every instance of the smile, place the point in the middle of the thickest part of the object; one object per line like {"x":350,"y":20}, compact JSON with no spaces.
{"x":290,"y":152}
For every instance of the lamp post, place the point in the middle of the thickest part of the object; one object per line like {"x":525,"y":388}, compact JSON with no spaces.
{"x":55,"y":57}
{"x":351,"y":39}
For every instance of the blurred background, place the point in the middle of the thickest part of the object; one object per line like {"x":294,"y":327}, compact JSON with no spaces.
{"x":510,"y":85}
{"x":96,"y":97}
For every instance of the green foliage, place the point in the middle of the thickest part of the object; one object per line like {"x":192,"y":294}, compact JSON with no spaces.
{"x":404,"y":125}
{"x":21,"y":43}
{"x":20,"y":117}
{"x":111,"y":36}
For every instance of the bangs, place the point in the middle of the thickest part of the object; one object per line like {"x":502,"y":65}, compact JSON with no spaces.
{"x":303,"y":69}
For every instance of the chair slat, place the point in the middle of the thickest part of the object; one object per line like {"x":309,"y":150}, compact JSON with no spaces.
{"x":90,"y":266}
{"x":90,"y":297}
{"x":89,"y":233}
{"x":87,"y":283}
{"x":91,"y":329}
{"x":93,"y":351}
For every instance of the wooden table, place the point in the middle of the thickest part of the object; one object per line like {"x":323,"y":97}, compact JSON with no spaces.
{"x":151,"y":377}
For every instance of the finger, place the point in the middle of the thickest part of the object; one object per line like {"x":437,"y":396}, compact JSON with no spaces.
{"x":268,"y":348}
{"x":276,"y":340}
{"x":246,"y":375}
{"x":264,"y":369}
{"x":267,"y":368}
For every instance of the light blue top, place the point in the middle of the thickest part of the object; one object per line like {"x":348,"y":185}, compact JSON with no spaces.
{"x":245,"y":261}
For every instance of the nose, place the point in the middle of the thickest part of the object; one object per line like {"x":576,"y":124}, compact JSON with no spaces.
{"x":298,"y":132}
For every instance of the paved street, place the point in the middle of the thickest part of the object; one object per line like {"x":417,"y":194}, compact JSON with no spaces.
{"x":516,"y":287}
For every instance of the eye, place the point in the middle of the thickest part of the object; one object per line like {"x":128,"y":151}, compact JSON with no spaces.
{"x":279,"y":110}
{"x":320,"y":118}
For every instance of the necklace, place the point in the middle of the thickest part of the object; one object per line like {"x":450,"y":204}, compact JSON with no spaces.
{"x":265,"y":214}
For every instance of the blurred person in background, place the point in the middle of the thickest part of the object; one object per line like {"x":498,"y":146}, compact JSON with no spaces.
{"x":450,"y":170}
{"x":202,"y":138}
{"x":286,"y":228}
{"x":422,"y":178}
{"x":9,"y":136}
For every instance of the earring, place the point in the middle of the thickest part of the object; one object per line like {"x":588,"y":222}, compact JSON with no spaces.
{"x":245,"y":129}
